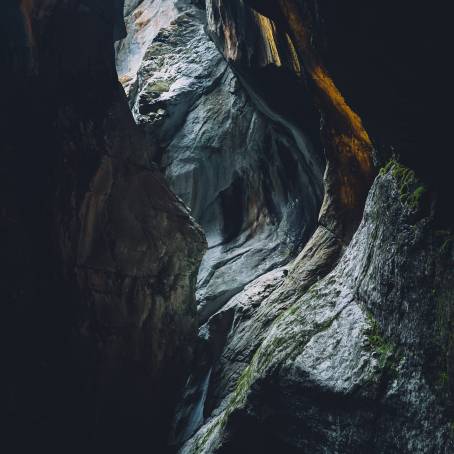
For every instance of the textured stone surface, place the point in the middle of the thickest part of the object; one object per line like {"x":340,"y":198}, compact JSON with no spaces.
{"x":251,"y":178}
{"x":144,"y":20}
{"x":344,"y":347}
{"x":137,"y":258}
{"x":347,"y":365}
{"x":99,"y":257}
{"x":362,"y":360}
{"x":271,"y":44}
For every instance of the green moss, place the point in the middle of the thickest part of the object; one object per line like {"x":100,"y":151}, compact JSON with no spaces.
{"x":292,"y":310}
{"x":380,"y":345}
{"x":202,"y":441}
{"x":156,"y":50}
{"x":411,"y":190}
{"x":242,"y":386}
{"x":267,"y":352}
{"x":414,"y":198}
{"x":385,"y":169}
{"x":443,"y":379}
{"x":158,"y":87}
{"x":237,"y":399}
{"x":405,"y":179}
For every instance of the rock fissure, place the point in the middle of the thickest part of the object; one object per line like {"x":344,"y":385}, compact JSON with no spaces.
{"x":204,"y":258}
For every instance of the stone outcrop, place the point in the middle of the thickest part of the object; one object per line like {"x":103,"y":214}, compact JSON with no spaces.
{"x":358,"y":361}
{"x":144,"y":20}
{"x":272,"y":43}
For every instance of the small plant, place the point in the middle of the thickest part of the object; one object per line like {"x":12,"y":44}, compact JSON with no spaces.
{"x":443,"y":379}
{"x":383,"y":348}
{"x":410,"y":188}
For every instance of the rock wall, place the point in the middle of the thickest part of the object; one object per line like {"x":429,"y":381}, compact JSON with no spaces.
{"x":358,"y":361}
{"x":144,"y":20}
{"x":99,"y":257}
{"x":272,"y":43}
{"x":251,"y":177}
{"x":325,"y":297}
{"x":361,"y":360}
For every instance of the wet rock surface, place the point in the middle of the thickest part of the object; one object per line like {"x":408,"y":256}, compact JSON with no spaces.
{"x":252,"y":179}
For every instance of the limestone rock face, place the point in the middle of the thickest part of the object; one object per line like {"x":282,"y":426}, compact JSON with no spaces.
{"x":333,"y":349}
{"x":252,"y":179}
{"x":144,"y":20}
{"x":358,"y":361}
{"x":99,"y":257}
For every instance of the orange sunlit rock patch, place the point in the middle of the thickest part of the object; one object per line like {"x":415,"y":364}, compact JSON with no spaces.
{"x":326,"y":84}
{"x":293,"y":55}
{"x":347,"y":143}
{"x":125,"y":78}
{"x":268,"y":30}
{"x":321,"y":77}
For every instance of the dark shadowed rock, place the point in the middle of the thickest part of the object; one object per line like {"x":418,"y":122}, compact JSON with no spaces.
{"x":99,"y":257}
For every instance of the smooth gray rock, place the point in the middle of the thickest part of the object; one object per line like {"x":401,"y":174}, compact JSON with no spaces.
{"x":251,"y":179}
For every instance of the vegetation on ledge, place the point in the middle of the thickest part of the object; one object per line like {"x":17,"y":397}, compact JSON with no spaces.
{"x":411,"y":189}
{"x":380,"y":345}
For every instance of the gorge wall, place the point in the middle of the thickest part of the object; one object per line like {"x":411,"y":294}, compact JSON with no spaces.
{"x":100,"y":257}
{"x":252,"y":178}
{"x":361,"y":358}
{"x":251,"y":251}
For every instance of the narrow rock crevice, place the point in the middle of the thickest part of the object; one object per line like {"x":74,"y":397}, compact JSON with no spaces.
{"x":252,"y":179}
{"x":199,"y":252}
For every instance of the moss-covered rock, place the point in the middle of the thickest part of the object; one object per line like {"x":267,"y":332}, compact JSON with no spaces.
{"x":411,"y":189}
{"x":345,"y":363}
